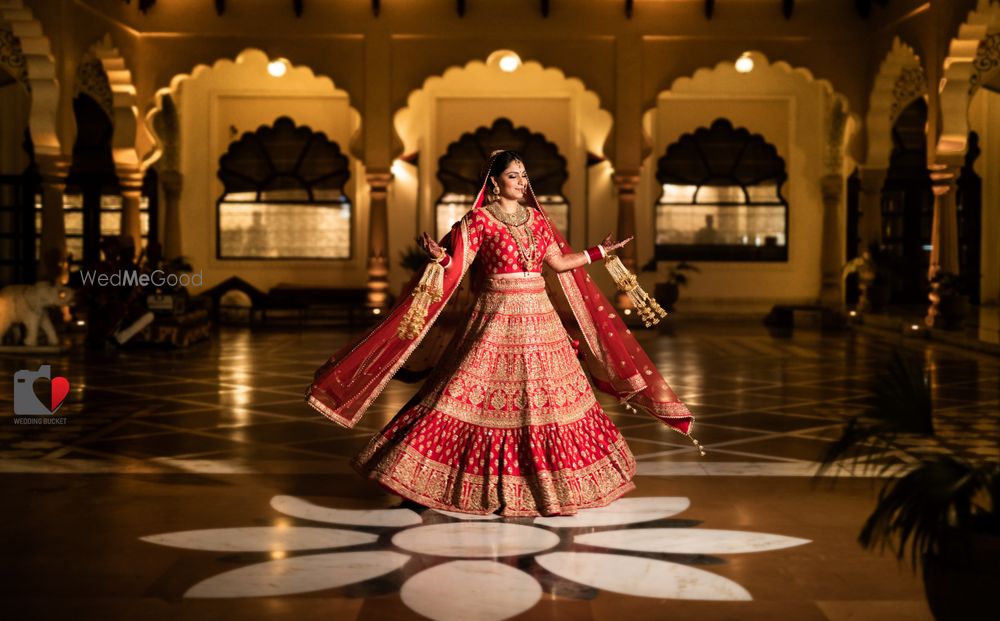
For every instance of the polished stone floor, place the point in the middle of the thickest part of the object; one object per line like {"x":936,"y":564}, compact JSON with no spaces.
{"x":197,"y":484}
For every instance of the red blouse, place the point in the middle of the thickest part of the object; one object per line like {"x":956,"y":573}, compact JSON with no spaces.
{"x":496,"y":248}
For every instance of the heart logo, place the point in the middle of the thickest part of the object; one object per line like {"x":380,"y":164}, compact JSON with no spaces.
{"x":60,"y":388}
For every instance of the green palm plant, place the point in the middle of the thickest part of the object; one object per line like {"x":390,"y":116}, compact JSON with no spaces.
{"x":934,"y":507}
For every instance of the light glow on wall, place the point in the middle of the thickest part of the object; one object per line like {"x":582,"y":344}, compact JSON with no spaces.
{"x":510,"y":62}
{"x":277,"y":68}
{"x":744,"y":64}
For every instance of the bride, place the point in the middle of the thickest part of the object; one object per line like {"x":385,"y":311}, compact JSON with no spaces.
{"x":506,"y":421}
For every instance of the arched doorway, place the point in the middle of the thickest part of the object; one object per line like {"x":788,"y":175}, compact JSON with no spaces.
{"x":459,"y":169}
{"x":908,"y":208}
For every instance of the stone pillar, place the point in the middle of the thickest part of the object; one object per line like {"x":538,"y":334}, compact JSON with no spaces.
{"x":625,"y":184}
{"x":54,"y":266}
{"x":378,"y":240}
{"x":944,"y":231}
{"x":130,"y":181}
{"x":172,"y":183}
{"x":831,"y":289}
{"x":871,"y":182}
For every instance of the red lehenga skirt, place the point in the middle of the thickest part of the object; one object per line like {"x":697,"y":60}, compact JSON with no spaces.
{"x":507,"y":423}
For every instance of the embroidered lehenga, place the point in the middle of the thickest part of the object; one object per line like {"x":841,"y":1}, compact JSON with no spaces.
{"x":506,"y":421}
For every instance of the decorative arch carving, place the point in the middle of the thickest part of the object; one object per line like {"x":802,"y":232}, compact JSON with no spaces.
{"x":899,"y":82}
{"x":970,"y":59}
{"x":459,"y":168}
{"x":41,"y":76}
{"x":839,"y":118}
{"x":121,"y":104}
{"x":284,"y":156}
{"x":13,"y":66}
{"x":595,"y":122}
{"x":249,"y":56}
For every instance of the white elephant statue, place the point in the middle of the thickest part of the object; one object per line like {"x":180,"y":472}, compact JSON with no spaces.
{"x":27,"y":304}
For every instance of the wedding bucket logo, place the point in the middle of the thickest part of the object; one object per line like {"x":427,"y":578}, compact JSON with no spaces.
{"x":27,"y":403}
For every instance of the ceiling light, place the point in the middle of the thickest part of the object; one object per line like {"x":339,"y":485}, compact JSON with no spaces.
{"x":510,"y":62}
{"x":277,"y":68}
{"x":744,"y":64}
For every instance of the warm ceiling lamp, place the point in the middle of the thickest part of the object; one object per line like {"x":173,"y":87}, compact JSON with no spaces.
{"x":277,"y":68}
{"x":744,"y":64}
{"x":509,"y":62}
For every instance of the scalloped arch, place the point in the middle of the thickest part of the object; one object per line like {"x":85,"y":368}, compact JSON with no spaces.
{"x":469,"y":79}
{"x":900,"y":81}
{"x":839,"y":117}
{"x":129,"y":129}
{"x":246,"y":57}
{"x":41,"y":74}
{"x":962,"y":78}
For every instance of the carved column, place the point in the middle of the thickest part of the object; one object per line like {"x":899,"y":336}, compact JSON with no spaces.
{"x":378,"y":240}
{"x":54,"y":266}
{"x":172,"y":183}
{"x":831,"y":283}
{"x":130,"y":181}
{"x":944,"y":231}
{"x":625,"y":184}
{"x":871,"y":182}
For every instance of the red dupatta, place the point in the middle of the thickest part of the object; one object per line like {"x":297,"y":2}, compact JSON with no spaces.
{"x":350,"y":381}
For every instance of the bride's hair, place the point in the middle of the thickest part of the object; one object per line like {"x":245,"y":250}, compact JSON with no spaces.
{"x":501,"y":161}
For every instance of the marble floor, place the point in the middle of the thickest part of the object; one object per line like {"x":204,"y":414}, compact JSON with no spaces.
{"x":198,"y":485}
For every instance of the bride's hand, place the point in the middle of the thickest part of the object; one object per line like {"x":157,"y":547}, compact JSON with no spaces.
{"x":431,"y":247}
{"x":610,"y":245}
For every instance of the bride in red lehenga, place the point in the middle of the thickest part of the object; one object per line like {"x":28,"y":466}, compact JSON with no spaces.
{"x":506,"y":421}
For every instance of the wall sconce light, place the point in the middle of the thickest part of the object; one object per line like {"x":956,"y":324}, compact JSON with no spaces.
{"x":277,"y":68}
{"x":510,"y":62}
{"x":744,"y":64}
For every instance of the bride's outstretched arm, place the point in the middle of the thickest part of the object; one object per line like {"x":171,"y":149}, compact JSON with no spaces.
{"x":567,"y":262}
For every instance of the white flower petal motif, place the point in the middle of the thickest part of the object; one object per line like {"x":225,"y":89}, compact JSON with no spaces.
{"x":642,"y":577}
{"x":688,"y":540}
{"x":476,"y":539}
{"x":261,"y":539}
{"x":299,"y":574}
{"x":296,"y":507}
{"x":471,"y":591}
{"x":623,"y":511}
{"x":467,"y":516}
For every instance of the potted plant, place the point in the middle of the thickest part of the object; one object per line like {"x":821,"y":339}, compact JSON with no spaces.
{"x":668,"y":292}
{"x":946,"y":293}
{"x":940,"y":510}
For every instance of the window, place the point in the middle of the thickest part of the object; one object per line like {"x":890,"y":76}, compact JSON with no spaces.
{"x":721,"y":198}
{"x":460,"y":168}
{"x":284,"y":196}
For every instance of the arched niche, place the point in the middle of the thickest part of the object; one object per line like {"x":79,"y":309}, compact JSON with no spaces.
{"x":542,"y":99}
{"x":900,"y":81}
{"x":459,"y":169}
{"x":204,"y":111}
{"x":811,"y":127}
{"x":283,"y":196}
{"x":721,"y":198}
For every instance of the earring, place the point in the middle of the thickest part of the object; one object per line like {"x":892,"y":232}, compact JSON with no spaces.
{"x":495,"y":191}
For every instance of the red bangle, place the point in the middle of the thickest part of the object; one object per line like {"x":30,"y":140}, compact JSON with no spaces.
{"x":595,"y":253}
{"x":445,"y":261}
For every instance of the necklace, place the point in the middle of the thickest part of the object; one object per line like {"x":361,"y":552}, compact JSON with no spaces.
{"x":518,"y":218}
{"x":525,"y":241}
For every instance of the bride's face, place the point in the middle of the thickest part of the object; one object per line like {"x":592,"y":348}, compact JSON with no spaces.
{"x":513,"y":181}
